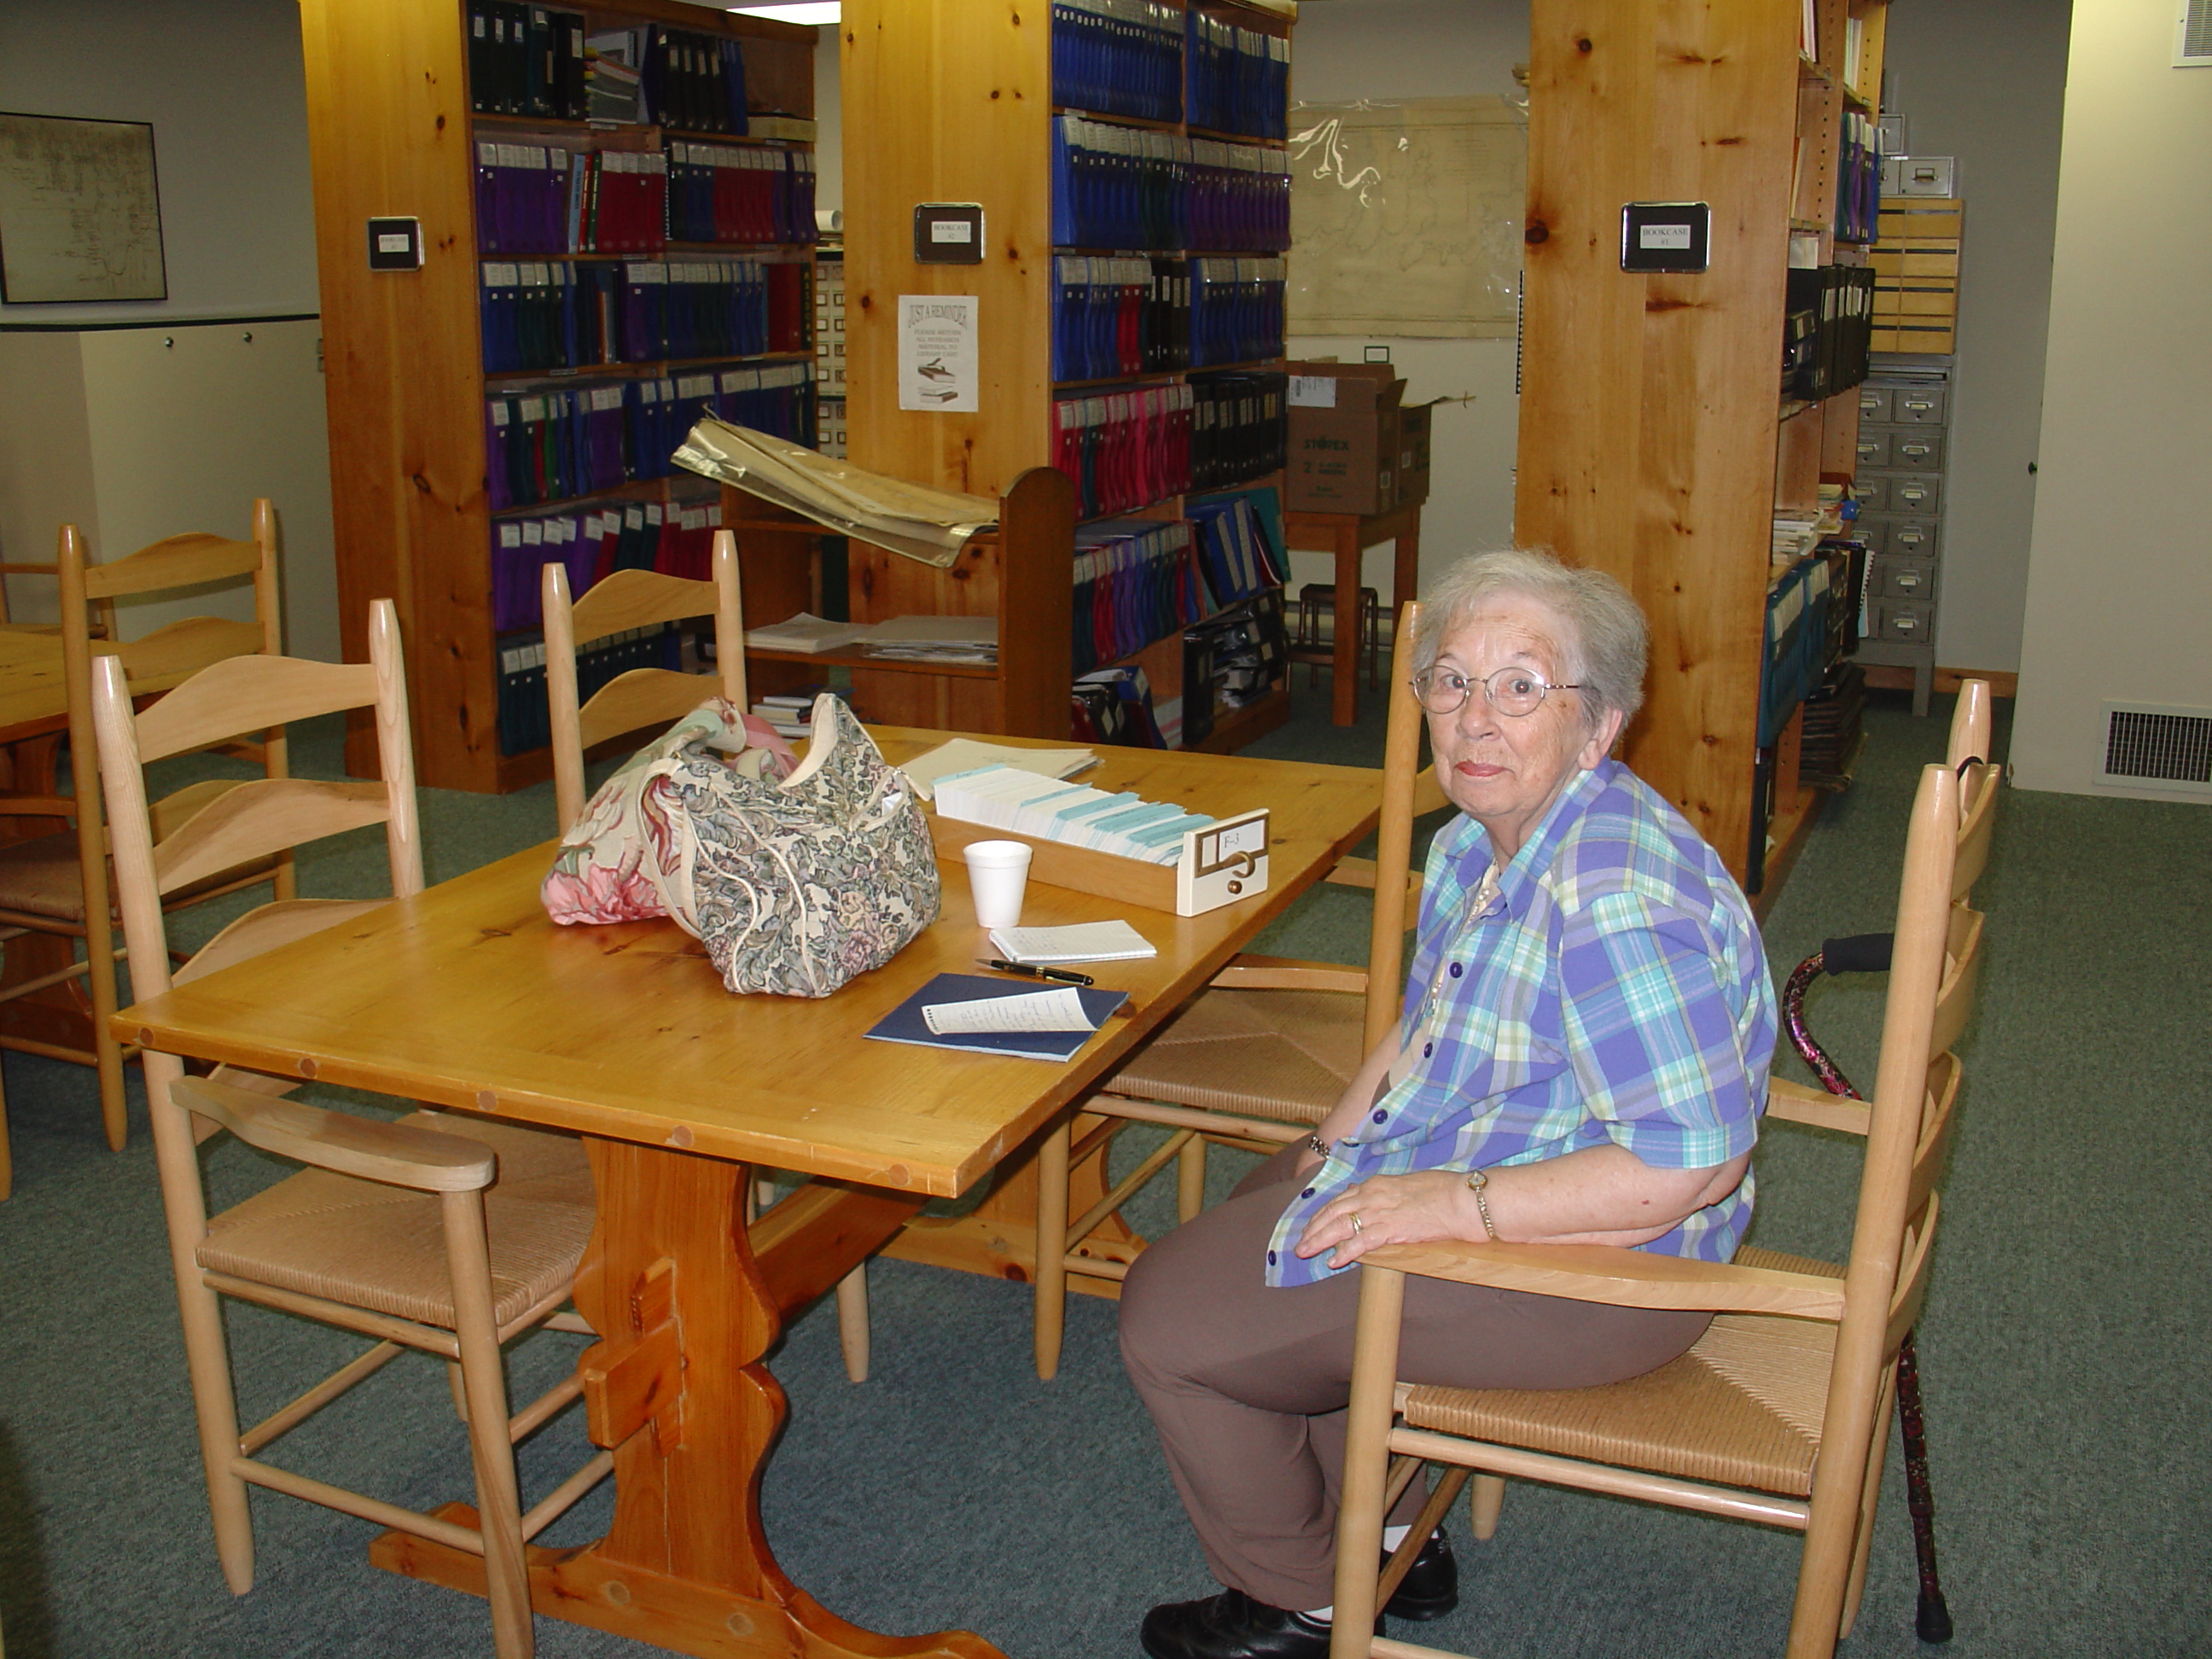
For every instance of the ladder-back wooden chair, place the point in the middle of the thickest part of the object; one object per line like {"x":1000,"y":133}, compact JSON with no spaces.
{"x":1967,"y":756}
{"x":1258,"y":1057}
{"x":1775,"y":1415}
{"x":440,"y":1231}
{"x":652,"y":697}
{"x":642,"y":697}
{"x":59,"y":884}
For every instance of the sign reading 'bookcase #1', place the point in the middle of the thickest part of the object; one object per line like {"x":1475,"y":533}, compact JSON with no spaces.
{"x":937,"y":361}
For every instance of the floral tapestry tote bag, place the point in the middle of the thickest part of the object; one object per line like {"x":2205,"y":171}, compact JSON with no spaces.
{"x":795,"y":879}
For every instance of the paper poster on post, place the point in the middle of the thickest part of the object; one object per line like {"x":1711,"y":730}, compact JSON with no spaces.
{"x":939,"y":367}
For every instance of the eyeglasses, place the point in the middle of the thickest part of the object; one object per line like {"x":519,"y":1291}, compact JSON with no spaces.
{"x":1513,"y":691}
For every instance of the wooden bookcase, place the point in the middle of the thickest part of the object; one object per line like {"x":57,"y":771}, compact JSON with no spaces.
{"x":951,"y":101}
{"x":1652,"y":442}
{"x":392,"y":134}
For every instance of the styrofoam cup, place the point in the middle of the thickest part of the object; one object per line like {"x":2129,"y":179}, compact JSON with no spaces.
{"x":997,"y":872}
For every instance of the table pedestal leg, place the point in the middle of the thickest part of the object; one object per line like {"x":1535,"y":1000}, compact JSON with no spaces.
{"x":677,"y":1386}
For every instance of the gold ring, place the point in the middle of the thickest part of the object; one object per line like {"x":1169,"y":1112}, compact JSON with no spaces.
{"x":1355,"y":1221}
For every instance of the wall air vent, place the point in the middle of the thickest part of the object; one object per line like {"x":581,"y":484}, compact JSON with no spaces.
{"x":2193,"y":35}
{"x":2164,"y":748}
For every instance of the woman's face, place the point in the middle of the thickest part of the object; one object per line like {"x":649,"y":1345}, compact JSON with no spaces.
{"x":1504,"y":771}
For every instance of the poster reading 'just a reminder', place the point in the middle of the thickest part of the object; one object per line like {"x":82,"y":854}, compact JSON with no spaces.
{"x":938,"y":362}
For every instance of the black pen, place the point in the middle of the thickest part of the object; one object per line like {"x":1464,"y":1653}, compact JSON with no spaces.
{"x":1028,"y":972}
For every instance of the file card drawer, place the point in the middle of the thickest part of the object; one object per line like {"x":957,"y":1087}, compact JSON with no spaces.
{"x":1871,"y":491}
{"x":1873,"y":447}
{"x":1907,"y":622}
{"x":1905,"y":578}
{"x":1916,"y":492}
{"x":1918,"y":538}
{"x":1874,"y":532}
{"x":1921,"y":451}
{"x":1911,"y":406}
{"x":1875,"y":405}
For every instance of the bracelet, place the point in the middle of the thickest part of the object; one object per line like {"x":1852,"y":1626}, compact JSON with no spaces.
{"x":1476,"y":1180}
{"x":1318,"y":1145}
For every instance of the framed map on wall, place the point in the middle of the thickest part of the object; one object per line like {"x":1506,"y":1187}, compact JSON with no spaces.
{"x":80,"y":212}
{"x":1405,"y":217}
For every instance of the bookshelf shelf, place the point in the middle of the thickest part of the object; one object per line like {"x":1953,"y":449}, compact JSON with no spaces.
{"x":963,"y":108}
{"x":392,"y":129}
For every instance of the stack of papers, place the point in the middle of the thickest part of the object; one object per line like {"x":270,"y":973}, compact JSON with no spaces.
{"x":805,"y":632}
{"x":1006,"y":798}
{"x":966,"y":754}
{"x":934,"y":638}
{"x":1086,"y":941}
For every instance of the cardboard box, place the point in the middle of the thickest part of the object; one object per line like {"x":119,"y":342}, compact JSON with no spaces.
{"x":1413,"y":453}
{"x":1344,"y":433}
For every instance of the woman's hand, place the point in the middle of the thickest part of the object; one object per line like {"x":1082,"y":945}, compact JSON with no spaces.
{"x":1399,"y":1209}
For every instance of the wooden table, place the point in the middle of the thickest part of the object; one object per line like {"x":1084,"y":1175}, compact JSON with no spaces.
{"x":467,"y":997}
{"x":1347,"y":535}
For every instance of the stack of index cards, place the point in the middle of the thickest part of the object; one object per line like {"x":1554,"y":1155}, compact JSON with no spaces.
{"x":1050,"y":810}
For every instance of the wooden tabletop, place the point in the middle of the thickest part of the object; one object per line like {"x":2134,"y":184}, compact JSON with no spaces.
{"x":33,"y":694}
{"x":469,"y":997}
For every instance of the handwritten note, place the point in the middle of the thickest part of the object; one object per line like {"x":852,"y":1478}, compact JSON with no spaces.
{"x":1060,"y":1010}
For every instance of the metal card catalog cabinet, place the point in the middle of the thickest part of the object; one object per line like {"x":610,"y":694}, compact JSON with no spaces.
{"x":1905,"y":408}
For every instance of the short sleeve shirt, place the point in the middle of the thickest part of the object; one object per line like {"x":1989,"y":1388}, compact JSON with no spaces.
{"x":1614,"y":991}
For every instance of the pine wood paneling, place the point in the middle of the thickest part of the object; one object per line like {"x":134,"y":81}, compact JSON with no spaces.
{"x":958,"y":96}
{"x":1648,"y":417}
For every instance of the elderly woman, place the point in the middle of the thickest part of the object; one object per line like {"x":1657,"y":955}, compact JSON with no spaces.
{"x":1583,"y":1058}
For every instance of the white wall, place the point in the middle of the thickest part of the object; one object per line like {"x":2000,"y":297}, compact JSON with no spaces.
{"x":2119,"y":583}
{"x":1985,"y":81}
{"x":136,"y":421}
{"x":1347,"y":48}
{"x":220,"y":80}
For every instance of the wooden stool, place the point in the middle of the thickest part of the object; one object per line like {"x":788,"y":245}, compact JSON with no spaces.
{"x":1317,"y":599}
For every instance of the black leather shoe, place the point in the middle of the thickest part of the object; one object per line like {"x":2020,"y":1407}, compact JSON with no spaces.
{"x":1232,"y":1625}
{"x":1430,"y":1588}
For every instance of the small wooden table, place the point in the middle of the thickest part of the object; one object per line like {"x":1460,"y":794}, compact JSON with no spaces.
{"x":468,"y":997}
{"x":1348,"y":535}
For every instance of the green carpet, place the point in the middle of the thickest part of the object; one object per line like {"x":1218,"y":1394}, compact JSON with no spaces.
{"x":2063,"y":1343}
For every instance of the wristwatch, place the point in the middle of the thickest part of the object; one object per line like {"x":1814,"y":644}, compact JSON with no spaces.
{"x":1476,"y":1180}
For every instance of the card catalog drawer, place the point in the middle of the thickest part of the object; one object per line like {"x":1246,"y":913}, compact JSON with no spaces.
{"x":1872,"y":529}
{"x":1871,"y":491}
{"x":1874,"y":403}
{"x":1915,"y":492}
{"x":1920,"y":450}
{"x":1908,"y":622}
{"x":1915,"y":406}
{"x":1873,"y":447}
{"x":1905,"y":578}
{"x":1918,"y":538}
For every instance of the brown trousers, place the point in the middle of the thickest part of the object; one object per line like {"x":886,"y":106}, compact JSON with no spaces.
{"x":1247,"y":1384}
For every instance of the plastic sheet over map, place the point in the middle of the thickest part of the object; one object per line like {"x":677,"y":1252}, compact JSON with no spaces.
{"x":1405,"y":217}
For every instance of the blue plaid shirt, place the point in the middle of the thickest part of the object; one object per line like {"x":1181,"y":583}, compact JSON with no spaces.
{"x":1615,"y":990}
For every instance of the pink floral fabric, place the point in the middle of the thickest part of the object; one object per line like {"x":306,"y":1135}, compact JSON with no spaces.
{"x":625,"y":860}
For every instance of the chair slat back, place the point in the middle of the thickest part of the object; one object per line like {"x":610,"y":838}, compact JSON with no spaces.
{"x":248,"y":694}
{"x":1955,"y":1004}
{"x":1394,"y":836}
{"x":1979,"y":791}
{"x":245,"y":694}
{"x":179,"y":562}
{"x":1939,"y":1123}
{"x":641,"y":697}
{"x":260,"y":817}
{"x":627,"y":599}
{"x":176,"y":653}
